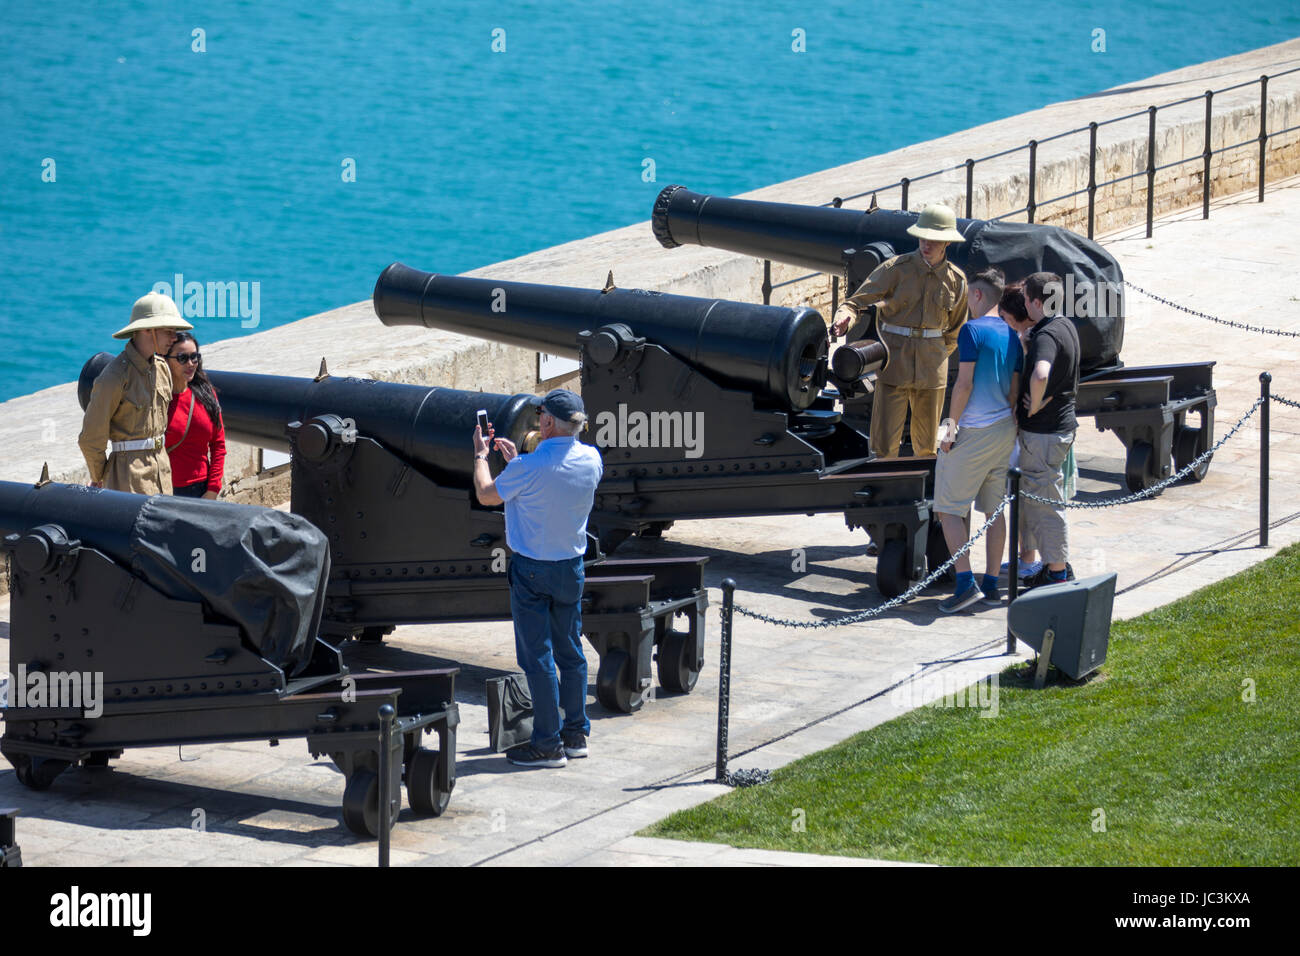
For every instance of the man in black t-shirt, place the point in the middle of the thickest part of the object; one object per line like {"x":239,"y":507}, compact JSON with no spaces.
{"x":1047,"y":423}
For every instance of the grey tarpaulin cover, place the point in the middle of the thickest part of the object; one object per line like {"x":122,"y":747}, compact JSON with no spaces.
{"x":264,"y":569}
{"x":1019,"y":249}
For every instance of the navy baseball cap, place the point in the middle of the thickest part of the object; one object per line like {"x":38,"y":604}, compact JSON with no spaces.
{"x":561,"y":403}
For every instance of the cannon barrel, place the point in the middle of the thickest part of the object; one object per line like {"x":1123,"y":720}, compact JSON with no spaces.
{"x":261,"y":569}
{"x":826,"y":238}
{"x":778,"y":354}
{"x":428,"y":426}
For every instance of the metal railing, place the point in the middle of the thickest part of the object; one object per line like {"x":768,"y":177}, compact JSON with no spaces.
{"x":1033,"y":204}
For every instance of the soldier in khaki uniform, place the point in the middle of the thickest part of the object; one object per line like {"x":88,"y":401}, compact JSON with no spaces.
{"x":128,"y":405}
{"x":922,"y":305}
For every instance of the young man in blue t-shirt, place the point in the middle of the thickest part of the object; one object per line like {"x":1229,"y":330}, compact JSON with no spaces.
{"x":978,"y":437}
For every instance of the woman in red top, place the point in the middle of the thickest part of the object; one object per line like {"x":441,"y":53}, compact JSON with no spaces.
{"x":196,"y":440}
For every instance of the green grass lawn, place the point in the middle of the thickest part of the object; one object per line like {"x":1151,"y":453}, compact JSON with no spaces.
{"x":1185,"y":771}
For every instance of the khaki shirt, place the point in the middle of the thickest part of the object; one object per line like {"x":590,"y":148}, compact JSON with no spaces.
{"x":913,"y":294}
{"x":129,"y":401}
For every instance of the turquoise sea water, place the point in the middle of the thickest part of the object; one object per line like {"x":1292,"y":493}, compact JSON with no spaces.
{"x":227,"y":165}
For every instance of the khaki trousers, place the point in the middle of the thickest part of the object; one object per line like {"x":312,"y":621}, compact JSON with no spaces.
{"x":889,"y":414}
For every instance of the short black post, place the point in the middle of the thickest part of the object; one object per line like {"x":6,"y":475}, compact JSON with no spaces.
{"x":835,"y":294}
{"x":767,"y":281}
{"x":970,"y":185}
{"x":1092,"y":177}
{"x":724,"y":676}
{"x":1151,"y":168}
{"x":1032,"y":205}
{"x":904,"y":183}
{"x":1263,"y":132}
{"x":1013,"y":560}
{"x":1264,"y":380}
{"x":1207,"y":155}
{"x":386,"y":713}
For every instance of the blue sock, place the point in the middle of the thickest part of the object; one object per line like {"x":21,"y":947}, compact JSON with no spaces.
{"x":1056,"y":575}
{"x":989,"y":584}
{"x":965,"y":581}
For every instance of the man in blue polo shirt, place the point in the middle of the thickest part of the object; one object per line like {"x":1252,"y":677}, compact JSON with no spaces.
{"x":978,"y":437}
{"x":548,"y":495}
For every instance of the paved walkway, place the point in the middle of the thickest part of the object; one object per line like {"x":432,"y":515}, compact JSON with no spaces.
{"x":794,"y":692}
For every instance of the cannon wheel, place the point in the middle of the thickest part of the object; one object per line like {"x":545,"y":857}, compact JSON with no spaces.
{"x":422,"y":790}
{"x":37,"y":773}
{"x":936,"y":552}
{"x":1138,"y":471}
{"x":1188,"y":444}
{"x":891,"y":568}
{"x":675,"y":673}
{"x":611,"y":685}
{"x":361,"y":804}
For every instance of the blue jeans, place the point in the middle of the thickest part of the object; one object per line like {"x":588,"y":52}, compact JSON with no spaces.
{"x":544,"y":602}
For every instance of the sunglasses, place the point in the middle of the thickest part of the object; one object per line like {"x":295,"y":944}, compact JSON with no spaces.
{"x":190,"y":359}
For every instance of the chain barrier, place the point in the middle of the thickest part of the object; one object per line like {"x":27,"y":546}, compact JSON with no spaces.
{"x":856,"y":616}
{"x":1202,"y":315}
{"x":1160,"y":486}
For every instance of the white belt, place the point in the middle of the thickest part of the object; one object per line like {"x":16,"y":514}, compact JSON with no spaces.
{"x":911,"y":333}
{"x":141,"y":444}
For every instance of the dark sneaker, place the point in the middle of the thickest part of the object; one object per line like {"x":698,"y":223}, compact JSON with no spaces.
{"x":992,"y":598}
{"x":575,"y":744}
{"x":961,"y":601}
{"x":1044,"y":577}
{"x":526,"y":755}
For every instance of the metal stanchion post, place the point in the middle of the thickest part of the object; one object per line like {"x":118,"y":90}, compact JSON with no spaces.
{"x":386,"y":713}
{"x":1264,"y":379}
{"x":1013,"y":558}
{"x":724,"y":676}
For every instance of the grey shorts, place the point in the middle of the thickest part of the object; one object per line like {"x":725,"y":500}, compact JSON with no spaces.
{"x":974,"y":469}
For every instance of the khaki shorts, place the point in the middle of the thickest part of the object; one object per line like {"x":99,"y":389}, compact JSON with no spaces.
{"x":975,"y":469}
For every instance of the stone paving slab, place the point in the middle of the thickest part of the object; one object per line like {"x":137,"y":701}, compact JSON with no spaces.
{"x":794,"y":692}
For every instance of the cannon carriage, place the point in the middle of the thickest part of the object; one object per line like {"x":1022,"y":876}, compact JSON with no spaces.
{"x":148,"y":621}
{"x":702,"y":408}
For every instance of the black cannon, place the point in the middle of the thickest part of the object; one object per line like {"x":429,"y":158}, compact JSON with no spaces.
{"x":1150,"y":419}
{"x":146,"y":621}
{"x":383,"y":469}
{"x":702,"y":408}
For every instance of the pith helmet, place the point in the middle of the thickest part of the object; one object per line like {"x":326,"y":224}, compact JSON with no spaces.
{"x":936,"y":222}
{"x":152,"y":311}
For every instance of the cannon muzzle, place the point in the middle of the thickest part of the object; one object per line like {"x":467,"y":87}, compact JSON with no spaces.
{"x":778,"y":354}
{"x":851,"y":243}
{"x":428,"y":426}
{"x":853,"y":365}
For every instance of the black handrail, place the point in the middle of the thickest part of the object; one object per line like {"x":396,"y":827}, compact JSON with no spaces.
{"x":1033,"y":205}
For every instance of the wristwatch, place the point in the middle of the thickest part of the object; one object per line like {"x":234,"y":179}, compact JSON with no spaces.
{"x":480,"y":457}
